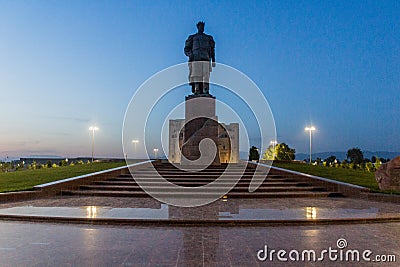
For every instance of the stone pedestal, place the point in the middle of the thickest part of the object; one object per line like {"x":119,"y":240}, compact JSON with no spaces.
{"x":388,"y":175}
{"x":200,"y":132}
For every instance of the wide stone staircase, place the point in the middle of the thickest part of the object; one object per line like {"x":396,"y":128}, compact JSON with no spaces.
{"x":276,"y":183}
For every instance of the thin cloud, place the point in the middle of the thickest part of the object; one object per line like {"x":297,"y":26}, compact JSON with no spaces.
{"x":61,"y":134}
{"x":74,"y":119}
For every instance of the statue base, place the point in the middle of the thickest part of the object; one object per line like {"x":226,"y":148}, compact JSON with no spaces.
{"x":200,"y":138}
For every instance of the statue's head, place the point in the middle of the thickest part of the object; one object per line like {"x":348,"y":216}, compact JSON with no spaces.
{"x":200,"y":26}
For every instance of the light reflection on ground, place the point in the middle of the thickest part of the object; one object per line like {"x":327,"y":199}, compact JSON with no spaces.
{"x":223,"y":210}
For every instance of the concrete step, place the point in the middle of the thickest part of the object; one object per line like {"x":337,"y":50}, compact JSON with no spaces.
{"x":204,"y":180}
{"x":276,"y":184}
{"x":201,"y":181}
{"x":184,"y":174}
{"x":219,"y":188}
{"x":195,"y":175}
{"x":196,"y":183}
{"x":301,"y":194}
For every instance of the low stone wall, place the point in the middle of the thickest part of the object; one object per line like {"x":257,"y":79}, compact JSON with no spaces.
{"x":348,"y":190}
{"x":382,"y":197}
{"x":56,"y":187}
{"x":18,"y":196}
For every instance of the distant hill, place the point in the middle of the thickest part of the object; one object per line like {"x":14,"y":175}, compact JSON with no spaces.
{"x":342,"y":155}
{"x":44,"y":156}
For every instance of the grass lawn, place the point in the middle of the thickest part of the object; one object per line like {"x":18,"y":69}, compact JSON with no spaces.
{"x":27,"y":179}
{"x":357,"y":177}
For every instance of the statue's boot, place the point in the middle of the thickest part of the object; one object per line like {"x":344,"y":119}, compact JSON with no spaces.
{"x":205,"y":89}
{"x":196,"y":88}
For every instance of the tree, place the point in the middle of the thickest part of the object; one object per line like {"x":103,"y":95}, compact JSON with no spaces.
{"x":352,"y":166}
{"x":253,"y":154}
{"x":344,"y":164}
{"x":62,"y":163}
{"x":281,"y":152}
{"x":378,"y":163}
{"x":270,"y":153}
{"x":383,"y":160}
{"x":370,"y":167}
{"x":355,"y":155}
{"x":330,"y":160}
{"x":33,"y":165}
{"x":284,"y":152}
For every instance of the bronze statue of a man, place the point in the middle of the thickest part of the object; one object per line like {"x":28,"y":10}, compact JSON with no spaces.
{"x":200,"y":48}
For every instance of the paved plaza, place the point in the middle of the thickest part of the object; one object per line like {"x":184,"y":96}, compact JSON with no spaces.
{"x":119,"y":210}
{"x":46,"y":244}
{"x":231,"y":232}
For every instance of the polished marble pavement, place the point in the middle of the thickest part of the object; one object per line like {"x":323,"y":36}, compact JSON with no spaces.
{"x":228,"y":232}
{"x":47,"y":244}
{"x":145,"y":210}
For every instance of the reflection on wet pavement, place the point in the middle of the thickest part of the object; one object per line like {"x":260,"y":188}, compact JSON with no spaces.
{"x":222,"y":210}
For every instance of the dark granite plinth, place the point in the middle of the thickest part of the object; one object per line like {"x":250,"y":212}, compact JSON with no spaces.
{"x":199,"y":106}
{"x":201,"y":123}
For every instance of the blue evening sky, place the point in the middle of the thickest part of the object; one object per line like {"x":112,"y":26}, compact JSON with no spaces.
{"x":66,"y":65}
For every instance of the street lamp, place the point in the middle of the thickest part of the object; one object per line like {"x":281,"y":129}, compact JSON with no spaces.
{"x":135,"y":142}
{"x":310,"y":129}
{"x":155,"y":152}
{"x":93,"y":129}
{"x":273,"y":143}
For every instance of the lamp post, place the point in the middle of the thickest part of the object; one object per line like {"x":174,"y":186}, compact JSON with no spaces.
{"x":93,"y":129}
{"x":155,"y":152}
{"x":273,"y":143}
{"x":135,"y":142}
{"x":310,"y":129}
